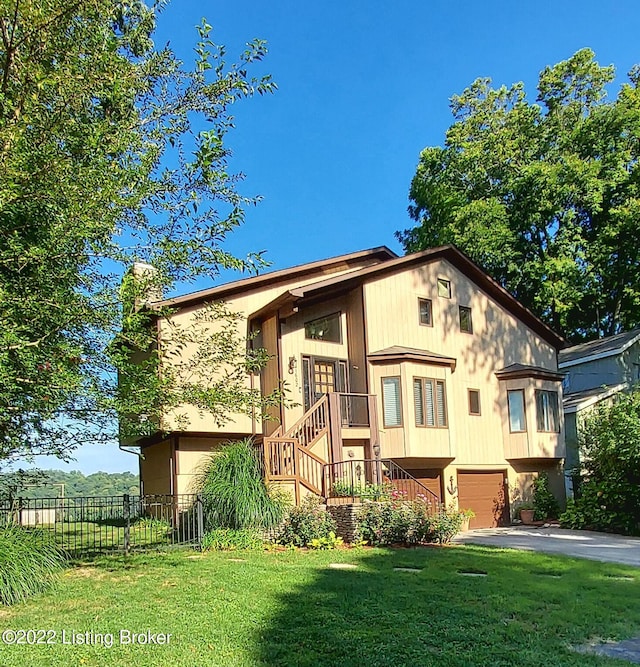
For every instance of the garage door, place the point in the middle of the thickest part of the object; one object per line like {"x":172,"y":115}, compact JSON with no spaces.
{"x":484,"y":493}
{"x":431,"y":478}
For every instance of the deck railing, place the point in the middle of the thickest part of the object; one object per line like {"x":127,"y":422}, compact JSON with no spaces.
{"x":375,"y":479}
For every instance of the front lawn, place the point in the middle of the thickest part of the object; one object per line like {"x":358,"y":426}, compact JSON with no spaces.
{"x":294,"y":608}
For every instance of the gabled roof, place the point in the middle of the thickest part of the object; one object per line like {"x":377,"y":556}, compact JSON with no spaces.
{"x":597,"y":349}
{"x":321,"y":267}
{"x":336,"y":285}
{"x":401,"y":353}
{"x":515,"y":371}
{"x":579,"y":400}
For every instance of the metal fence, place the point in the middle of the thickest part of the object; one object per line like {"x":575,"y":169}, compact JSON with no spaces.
{"x":107,"y":524}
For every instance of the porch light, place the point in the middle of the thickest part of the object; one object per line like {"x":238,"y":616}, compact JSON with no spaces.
{"x":376,"y":451}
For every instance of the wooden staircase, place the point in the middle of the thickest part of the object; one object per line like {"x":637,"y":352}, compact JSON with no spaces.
{"x":288,"y":458}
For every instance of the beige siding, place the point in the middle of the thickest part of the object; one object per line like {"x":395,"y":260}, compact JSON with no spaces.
{"x":156,"y":468}
{"x":531,"y":443}
{"x":294,"y":346}
{"x":191,"y":454}
{"x":245,"y":304}
{"x":498,"y":340}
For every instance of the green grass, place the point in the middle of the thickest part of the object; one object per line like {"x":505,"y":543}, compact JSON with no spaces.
{"x":78,"y":538}
{"x":29,"y":562}
{"x":291,"y":608}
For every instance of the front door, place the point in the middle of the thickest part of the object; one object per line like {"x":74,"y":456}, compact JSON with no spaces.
{"x":322,"y":376}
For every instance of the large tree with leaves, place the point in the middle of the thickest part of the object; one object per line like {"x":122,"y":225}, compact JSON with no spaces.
{"x":111,"y":151}
{"x":545,"y":195}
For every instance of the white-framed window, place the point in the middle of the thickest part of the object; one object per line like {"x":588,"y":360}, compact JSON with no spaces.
{"x":547,"y":413}
{"x":444,"y":288}
{"x":430,"y":402}
{"x":391,"y":402}
{"x":517,"y":418}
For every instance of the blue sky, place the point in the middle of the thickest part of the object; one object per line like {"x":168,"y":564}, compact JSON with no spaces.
{"x":363,"y":87}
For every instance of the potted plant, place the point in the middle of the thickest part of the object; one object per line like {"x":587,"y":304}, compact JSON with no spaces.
{"x":527,"y":512}
{"x":467,"y":515}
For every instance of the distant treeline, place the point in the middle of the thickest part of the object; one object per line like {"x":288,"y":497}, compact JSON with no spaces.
{"x":47,"y":484}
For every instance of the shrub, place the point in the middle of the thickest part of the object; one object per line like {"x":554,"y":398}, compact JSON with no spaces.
{"x":545,"y":504}
{"x":307,"y":522}
{"x":398,"y":521}
{"x":344,"y":488}
{"x":234,"y":494}
{"x":30,"y":562}
{"x":609,"y":497}
{"x":328,"y":542}
{"x":446,"y":523}
{"x":231,"y":539}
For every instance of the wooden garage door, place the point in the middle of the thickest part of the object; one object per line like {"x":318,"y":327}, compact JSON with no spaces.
{"x":431,"y":478}
{"x":484,"y":493}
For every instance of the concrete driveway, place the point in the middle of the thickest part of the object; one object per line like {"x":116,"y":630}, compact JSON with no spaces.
{"x":577,"y":543}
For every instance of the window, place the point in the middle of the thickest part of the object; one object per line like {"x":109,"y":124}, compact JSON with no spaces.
{"x":391,"y":402}
{"x":430,"y":403}
{"x":517,"y":421}
{"x":324,"y":328}
{"x":444,"y":288}
{"x":465,"y":319}
{"x":547,"y":411}
{"x":424,"y":306}
{"x":474,"y":402}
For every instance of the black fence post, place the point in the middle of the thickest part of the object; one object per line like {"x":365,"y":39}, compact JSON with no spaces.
{"x":200,"y":519}
{"x":126,"y":514}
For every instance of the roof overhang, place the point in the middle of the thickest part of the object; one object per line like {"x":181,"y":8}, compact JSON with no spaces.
{"x":399,"y":355}
{"x":516,"y":371}
{"x":572,"y":404}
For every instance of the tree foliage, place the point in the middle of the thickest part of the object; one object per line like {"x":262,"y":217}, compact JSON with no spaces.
{"x":545,"y":196}
{"x":609,"y":495}
{"x":47,"y":484}
{"x":111,"y":151}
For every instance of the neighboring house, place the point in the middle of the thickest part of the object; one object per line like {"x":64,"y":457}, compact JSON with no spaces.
{"x":595,"y":372}
{"x":423,"y":361}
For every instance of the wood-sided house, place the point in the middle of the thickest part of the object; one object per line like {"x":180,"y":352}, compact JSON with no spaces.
{"x":421,"y":361}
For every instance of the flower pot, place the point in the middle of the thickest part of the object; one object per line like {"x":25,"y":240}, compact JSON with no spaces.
{"x":526,"y":516}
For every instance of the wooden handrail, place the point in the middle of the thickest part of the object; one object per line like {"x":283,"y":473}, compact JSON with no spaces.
{"x":312,"y":425}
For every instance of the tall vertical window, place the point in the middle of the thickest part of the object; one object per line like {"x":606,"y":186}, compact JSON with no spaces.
{"x":430,"y":402}
{"x":465,"y":319}
{"x":517,"y":421}
{"x":547,"y":415}
{"x":474,"y":402}
{"x":391,"y":402}
{"x":424,"y":306}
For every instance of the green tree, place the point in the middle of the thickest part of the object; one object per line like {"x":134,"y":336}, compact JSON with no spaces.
{"x":609,"y":495}
{"x":111,"y":151}
{"x":545,"y":196}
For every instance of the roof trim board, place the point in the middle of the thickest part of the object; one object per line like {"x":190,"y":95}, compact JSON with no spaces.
{"x":335,"y":284}
{"x":382,"y":253}
{"x":599,"y":355}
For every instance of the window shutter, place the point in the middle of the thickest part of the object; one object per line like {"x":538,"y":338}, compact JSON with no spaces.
{"x":391,"y":401}
{"x":431,"y":417}
{"x":418,"y":402}
{"x":442,"y":412}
